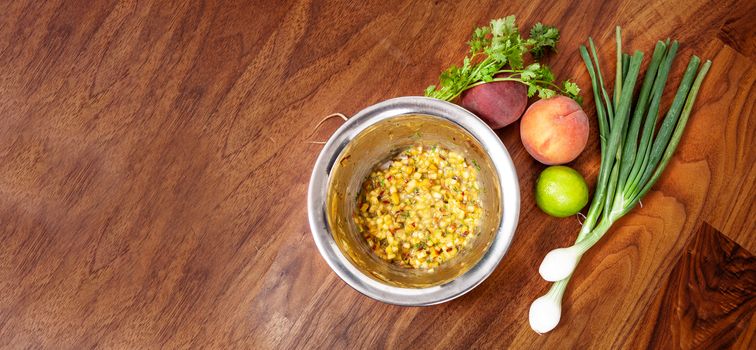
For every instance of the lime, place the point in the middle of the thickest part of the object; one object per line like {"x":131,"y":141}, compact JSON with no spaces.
{"x":561,"y":191}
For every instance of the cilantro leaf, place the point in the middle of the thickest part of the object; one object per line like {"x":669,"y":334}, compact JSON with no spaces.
{"x":545,"y":74}
{"x":532,"y":89}
{"x":571,"y":88}
{"x":479,"y":41}
{"x":542,"y":38}
{"x":503,"y":26}
{"x":530,"y":72}
{"x":546,"y":93}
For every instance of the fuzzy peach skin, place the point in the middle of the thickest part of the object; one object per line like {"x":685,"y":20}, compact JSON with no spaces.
{"x":554,"y":131}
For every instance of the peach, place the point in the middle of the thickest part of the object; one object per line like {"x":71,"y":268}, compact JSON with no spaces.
{"x":554,"y":131}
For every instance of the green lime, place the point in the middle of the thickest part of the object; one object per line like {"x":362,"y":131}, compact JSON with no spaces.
{"x":561,"y":191}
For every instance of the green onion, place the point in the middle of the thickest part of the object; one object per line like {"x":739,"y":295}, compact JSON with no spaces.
{"x":633,"y":154}
{"x":618,"y":78}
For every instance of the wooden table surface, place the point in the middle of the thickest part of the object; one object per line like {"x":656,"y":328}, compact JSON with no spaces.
{"x":154,"y":161}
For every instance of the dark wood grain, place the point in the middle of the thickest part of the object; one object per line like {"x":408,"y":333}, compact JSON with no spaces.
{"x":154,"y":161}
{"x":708,"y":300}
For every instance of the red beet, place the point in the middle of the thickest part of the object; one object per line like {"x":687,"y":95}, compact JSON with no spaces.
{"x":498,"y":104}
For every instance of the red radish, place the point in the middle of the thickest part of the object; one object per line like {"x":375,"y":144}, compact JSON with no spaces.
{"x":498,"y":104}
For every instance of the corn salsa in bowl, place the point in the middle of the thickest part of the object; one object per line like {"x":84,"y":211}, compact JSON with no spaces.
{"x":421,"y":208}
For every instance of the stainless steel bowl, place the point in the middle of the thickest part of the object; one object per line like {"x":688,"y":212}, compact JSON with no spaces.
{"x":373,"y":136}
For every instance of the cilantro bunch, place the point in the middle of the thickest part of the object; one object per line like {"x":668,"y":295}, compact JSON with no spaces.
{"x":495,"y":46}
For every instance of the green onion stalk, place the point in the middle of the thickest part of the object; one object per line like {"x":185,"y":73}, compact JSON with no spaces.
{"x":633,"y":153}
